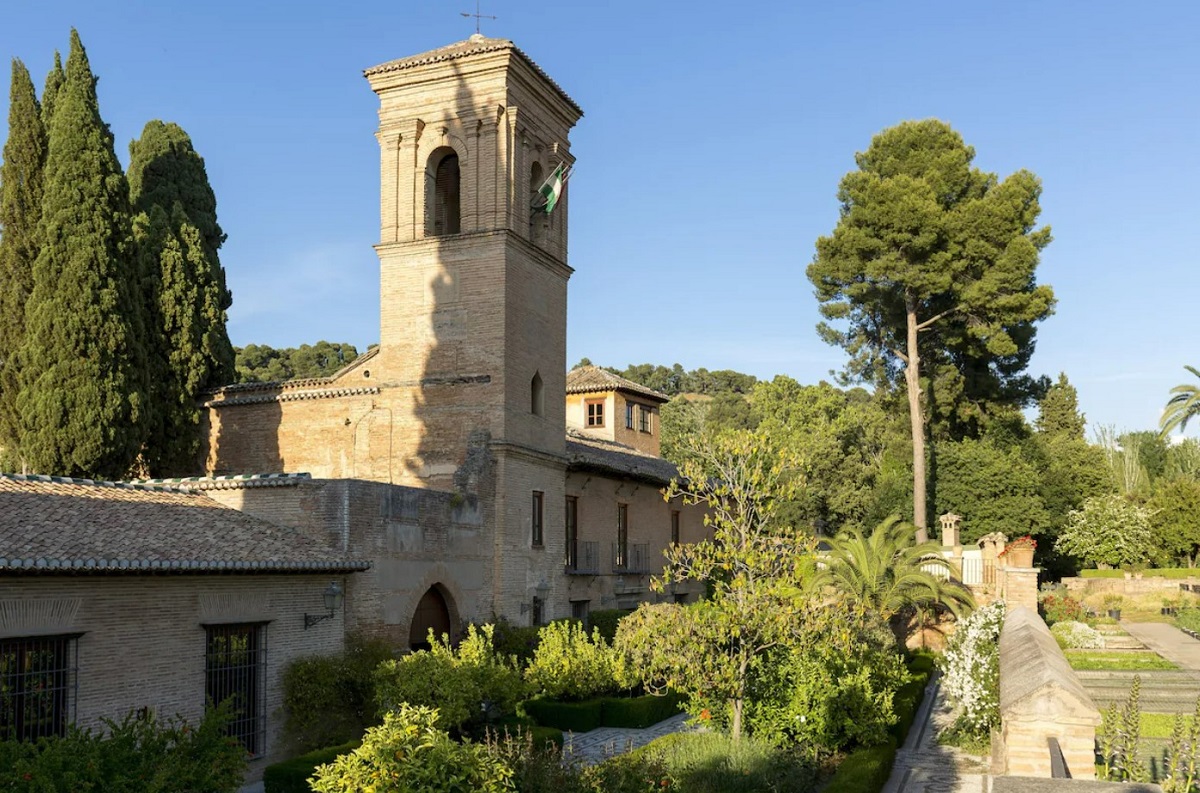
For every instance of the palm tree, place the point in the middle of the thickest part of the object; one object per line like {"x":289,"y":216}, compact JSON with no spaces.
{"x":891,"y":574}
{"x":1183,"y":405}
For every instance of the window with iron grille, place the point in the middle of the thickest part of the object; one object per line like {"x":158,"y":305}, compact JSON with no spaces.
{"x":539,"y":499}
{"x":572,"y":525}
{"x":629,"y":406}
{"x":235,"y":670}
{"x":38,"y":683}
{"x":674,"y":527}
{"x":621,"y":555}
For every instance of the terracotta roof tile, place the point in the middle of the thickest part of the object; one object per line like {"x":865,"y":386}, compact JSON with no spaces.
{"x":52,"y":524}
{"x":588,"y":453}
{"x":461,"y":49}
{"x":587,"y":379}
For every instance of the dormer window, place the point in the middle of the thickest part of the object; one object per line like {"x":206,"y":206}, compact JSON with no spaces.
{"x":645,"y":419}
{"x":595,"y":412}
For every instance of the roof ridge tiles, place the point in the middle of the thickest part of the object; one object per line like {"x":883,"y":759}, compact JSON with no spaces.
{"x":68,"y":480}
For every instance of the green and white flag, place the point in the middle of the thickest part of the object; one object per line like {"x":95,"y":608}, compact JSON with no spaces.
{"x":552,"y":190}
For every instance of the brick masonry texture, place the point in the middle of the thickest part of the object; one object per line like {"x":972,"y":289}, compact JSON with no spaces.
{"x":142,"y":638}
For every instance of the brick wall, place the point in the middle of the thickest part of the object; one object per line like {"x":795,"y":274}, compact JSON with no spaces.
{"x":142,"y":641}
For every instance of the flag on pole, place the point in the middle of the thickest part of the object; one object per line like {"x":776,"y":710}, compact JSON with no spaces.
{"x":551,"y":191}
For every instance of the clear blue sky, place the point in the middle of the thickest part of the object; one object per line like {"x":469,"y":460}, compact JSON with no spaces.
{"x":714,"y":138}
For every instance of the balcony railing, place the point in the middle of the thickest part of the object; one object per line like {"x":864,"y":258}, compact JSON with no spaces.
{"x":630,"y":558}
{"x":583,"y":558}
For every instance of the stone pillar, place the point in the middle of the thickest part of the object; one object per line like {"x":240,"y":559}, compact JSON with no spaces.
{"x":989,"y":547}
{"x":1020,"y":587}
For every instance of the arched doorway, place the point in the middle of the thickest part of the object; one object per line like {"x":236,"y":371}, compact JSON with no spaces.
{"x":432,"y":612}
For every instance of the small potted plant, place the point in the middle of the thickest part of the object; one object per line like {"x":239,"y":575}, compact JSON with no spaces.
{"x":1019,"y":552}
{"x":1112,"y":605}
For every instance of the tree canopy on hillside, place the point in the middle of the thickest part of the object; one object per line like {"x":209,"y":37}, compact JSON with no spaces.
{"x":258,"y":363}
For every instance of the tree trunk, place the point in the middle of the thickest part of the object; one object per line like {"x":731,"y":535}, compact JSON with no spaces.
{"x":735,"y":729}
{"x":912,"y":378}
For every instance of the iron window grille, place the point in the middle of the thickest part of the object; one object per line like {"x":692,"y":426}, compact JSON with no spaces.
{"x":674,"y":527}
{"x":38,"y":686}
{"x":621,"y":548}
{"x":235,"y":668}
{"x":586,"y":560}
{"x":572,"y":531}
{"x":536,"y":522}
{"x":629,"y":415}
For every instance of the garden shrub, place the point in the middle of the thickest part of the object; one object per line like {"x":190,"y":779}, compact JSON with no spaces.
{"x":572,"y":716}
{"x":1057,"y":607}
{"x":291,"y":776}
{"x":864,"y":770}
{"x":1077,"y":636}
{"x":137,"y":754}
{"x":569,"y":664}
{"x":606,"y":620}
{"x":638,"y":712}
{"x":468,"y":686}
{"x":514,"y":728}
{"x":408,"y":752}
{"x":971,"y":669}
{"x":329,"y":699}
{"x":832,"y":687}
{"x":519,"y":641}
{"x":921,"y":664}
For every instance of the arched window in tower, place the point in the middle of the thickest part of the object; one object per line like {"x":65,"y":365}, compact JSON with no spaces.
{"x":442,"y":204}
{"x":537,"y":401}
{"x":536,"y":177}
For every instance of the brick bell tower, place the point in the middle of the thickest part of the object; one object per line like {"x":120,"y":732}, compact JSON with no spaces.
{"x":473,"y":289}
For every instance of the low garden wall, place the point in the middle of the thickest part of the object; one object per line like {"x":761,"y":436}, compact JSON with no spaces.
{"x":1040,"y":698}
{"x":1130,"y":587}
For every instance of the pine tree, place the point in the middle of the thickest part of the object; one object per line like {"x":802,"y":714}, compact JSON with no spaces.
{"x":178,"y":237}
{"x":54,"y":82}
{"x":1058,"y":412}
{"x":82,"y":373}
{"x":20,"y":209}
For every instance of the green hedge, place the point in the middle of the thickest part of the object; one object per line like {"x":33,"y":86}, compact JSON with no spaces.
{"x":635,"y":712}
{"x":573,"y":716}
{"x":1161,"y":572}
{"x":606,"y":620}
{"x":864,"y":770}
{"x":905,"y":704}
{"x":638,"y":711}
{"x":291,"y":776}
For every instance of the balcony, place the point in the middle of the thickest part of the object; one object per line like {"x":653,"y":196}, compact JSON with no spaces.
{"x":630,"y":558}
{"x":583,"y":558}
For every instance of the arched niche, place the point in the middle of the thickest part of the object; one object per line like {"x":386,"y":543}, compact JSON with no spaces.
{"x":433,"y":611}
{"x":443,"y":193}
{"x":537,"y":395}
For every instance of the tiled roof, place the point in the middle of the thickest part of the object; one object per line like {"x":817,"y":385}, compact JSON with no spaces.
{"x":52,"y":524}
{"x":587,"y":453}
{"x":302,"y":382}
{"x":228,"y":482}
{"x":587,"y":379}
{"x":461,"y":49}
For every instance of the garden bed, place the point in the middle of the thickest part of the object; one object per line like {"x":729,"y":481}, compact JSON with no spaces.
{"x":1117,"y":660}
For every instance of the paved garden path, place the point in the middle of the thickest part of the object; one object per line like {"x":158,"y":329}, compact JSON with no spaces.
{"x":1168,"y":641}
{"x":924,"y":766}
{"x":596,"y":745}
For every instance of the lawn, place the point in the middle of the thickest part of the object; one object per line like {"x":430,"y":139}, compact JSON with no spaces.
{"x":1117,"y":660}
{"x":1157,"y":725}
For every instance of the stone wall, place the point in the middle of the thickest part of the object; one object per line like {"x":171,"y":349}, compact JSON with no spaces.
{"x":1128,"y":587}
{"x":1040,"y":698}
{"x":142,"y":639}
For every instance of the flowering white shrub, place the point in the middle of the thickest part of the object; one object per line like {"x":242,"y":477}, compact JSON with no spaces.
{"x":971,"y":669}
{"x":1077,"y":636}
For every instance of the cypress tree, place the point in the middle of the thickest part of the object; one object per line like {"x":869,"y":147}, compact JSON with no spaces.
{"x":82,"y":376}
{"x":54,"y":82}
{"x":178,"y":238}
{"x":20,"y":209}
